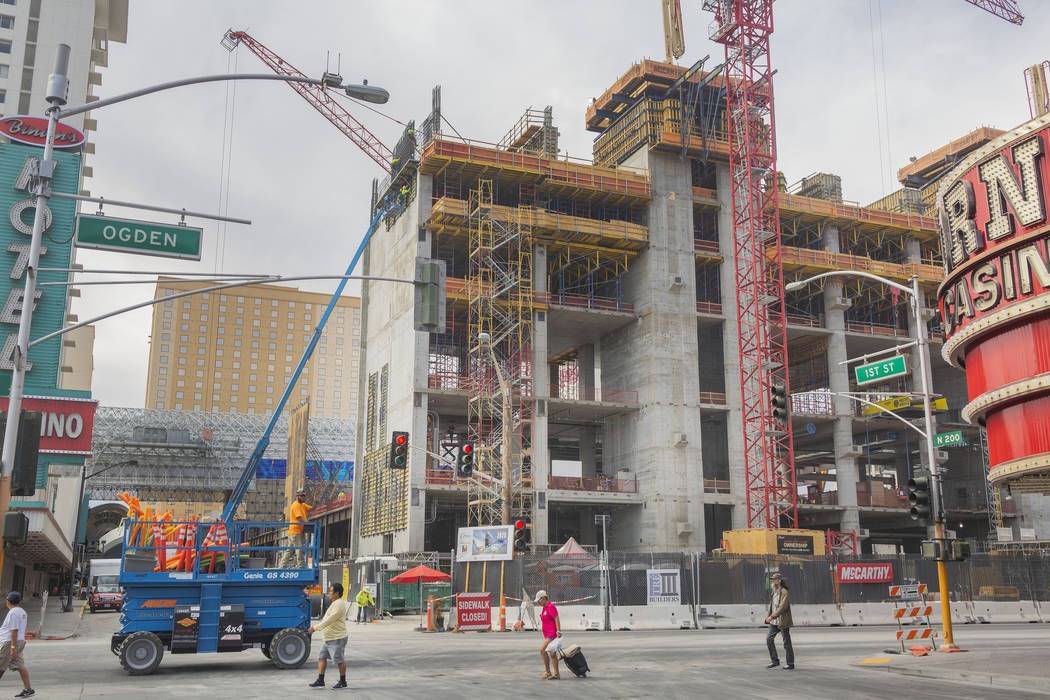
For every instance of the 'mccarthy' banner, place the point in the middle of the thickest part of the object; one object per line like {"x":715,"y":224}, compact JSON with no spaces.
{"x":995,"y":299}
{"x":865,"y":573}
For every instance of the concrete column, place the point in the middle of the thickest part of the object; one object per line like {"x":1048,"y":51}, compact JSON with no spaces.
{"x":585,"y":365}
{"x":588,"y":451}
{"x":846,"y":472}
{"x":541,"y":391}
{"x":731,"y":351}
{"x":657,"y":356}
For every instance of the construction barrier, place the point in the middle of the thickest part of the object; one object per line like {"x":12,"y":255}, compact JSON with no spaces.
{"x":986,"y":611}
{"x":867,"y":614}
{"x":816,"y":615}
{"x":581,"y":617}
{"x":715,"y":616}
{"x":650,"y":617}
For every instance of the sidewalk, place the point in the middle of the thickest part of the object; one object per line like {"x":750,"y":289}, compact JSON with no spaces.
{"x":57,"y":624}
{"x":1017,"y":668}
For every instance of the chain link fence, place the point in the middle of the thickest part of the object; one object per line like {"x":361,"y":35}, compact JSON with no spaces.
{"x":730,"y":580}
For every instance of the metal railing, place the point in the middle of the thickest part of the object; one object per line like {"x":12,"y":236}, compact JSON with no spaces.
{"x":575,"y":392}
{"x":592,"y":484}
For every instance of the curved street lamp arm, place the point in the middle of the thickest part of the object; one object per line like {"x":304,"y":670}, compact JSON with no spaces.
{"x":62,"y":113}
{"x":849,"y":273}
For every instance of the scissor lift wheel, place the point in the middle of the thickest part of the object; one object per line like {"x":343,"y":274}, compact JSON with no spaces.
{"x":140,"y":653}
{"x":289,"y":648}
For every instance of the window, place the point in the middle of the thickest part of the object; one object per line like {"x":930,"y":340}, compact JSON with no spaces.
{"x":178,"y":395}
{"x":163,"y":371}
{"x":160,"y":393}
{"x":5,"y":46}
{"x":3,"y":96}
{"x":180,"y":382}
{"x":5,"y":70}
{"x":178,"y":407}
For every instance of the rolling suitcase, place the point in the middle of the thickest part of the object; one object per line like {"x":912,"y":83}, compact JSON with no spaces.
{"x":573,"y":657}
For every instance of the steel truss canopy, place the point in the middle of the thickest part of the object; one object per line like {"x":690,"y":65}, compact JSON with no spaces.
{"x":192,"y":455}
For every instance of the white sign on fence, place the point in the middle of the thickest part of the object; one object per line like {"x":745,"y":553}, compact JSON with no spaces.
{"x":490,"y":543}
{"x":1004,"y":534}
{"x":1027,"y":533}
{"x":664,"y":586}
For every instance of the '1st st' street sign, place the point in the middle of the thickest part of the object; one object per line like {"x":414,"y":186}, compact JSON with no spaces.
{"x":879,"y":371}
{"x":139,"y":237}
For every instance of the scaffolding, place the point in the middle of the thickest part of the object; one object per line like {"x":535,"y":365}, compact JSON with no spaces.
{"x":534,"y":133}
{"x":499,"y":291}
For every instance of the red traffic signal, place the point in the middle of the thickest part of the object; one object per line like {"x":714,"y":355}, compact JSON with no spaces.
{"x":467,"y":449}
{"x":400,"y":438}
{"x":519,"y":525}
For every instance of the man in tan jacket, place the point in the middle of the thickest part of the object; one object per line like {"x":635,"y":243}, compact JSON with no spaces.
{"x":779,"y":621}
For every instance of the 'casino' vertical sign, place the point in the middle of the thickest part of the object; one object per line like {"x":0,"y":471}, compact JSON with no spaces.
{"x":995,"y":300}
{"x":17,"y":208}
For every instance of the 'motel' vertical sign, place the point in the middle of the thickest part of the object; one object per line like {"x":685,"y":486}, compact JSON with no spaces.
{"x":17,"y":208}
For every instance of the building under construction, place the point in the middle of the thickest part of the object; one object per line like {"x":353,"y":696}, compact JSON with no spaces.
{"x":595,"y":318}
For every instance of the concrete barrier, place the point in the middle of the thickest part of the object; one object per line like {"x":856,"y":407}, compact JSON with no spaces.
{"x":988,"y":611}
{"x":867,"y":614}
{"x":580,"y":617}
{"x":821,"y":614}
{"x":650,"y":617}
{"x":732,"y":615}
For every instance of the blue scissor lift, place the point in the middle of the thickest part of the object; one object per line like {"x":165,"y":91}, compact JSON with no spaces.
{"x":245,"y":605}
{"x":233,"y":604}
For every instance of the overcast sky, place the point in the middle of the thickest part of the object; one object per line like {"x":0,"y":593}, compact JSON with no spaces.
{"x":940,"y":69}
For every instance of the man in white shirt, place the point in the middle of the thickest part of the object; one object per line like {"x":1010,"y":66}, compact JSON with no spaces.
{"x":13,"y":641}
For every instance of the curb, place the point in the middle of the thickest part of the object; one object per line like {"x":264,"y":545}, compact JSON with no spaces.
{"x":994,"y":680}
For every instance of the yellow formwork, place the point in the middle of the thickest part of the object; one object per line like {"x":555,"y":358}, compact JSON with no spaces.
{"x":758,"y":540}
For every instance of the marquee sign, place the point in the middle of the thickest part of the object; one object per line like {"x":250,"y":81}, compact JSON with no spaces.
{"x":33,"y":131}
{"x":66,"y":426}
{"x":995,"y":299}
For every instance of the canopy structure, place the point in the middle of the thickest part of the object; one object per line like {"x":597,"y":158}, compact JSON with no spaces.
{"x":419,"y":574}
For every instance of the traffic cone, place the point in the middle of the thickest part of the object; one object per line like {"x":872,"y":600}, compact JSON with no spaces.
{"x":502,"y":614}
{"x":430,"y":614}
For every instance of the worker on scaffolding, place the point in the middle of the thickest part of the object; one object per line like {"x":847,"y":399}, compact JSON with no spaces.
{"x":296,"y":537}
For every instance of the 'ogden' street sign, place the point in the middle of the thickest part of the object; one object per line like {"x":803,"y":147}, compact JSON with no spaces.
{"x":879,"y":371}
{"x":139,"y":237}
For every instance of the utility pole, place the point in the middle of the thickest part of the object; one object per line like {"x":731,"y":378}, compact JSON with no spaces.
{"x":57,"y":88}
{"x":603,"y":520}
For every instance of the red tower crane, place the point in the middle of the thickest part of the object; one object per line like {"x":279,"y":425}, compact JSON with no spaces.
{"x":744,"y":27}
{"x":318,"y":98}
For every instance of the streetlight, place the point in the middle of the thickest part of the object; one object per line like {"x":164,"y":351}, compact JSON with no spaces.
{"x":84,"y":476}
{"x":922,"y":344}
{"x":55,"y":95}
{"x":486,"y":340}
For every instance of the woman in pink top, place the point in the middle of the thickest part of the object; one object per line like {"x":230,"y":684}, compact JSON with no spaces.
{"x":551,"y":626}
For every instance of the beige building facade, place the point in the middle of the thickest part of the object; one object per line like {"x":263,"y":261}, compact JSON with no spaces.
{"x":235,"y":351}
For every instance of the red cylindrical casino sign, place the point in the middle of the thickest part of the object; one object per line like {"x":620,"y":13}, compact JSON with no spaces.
{"x":994,"y":213}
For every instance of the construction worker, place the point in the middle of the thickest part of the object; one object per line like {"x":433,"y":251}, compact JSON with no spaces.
{"x":296,"y":538}
{"x":364,"y":601}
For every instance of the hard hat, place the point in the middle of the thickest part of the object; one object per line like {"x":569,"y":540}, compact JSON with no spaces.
{"x":300,"y":492}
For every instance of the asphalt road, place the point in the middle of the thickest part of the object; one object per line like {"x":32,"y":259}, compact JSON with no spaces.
{"x":389,"y":660}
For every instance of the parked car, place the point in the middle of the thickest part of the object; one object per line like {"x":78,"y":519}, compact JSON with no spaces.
{"x":106,"y":596}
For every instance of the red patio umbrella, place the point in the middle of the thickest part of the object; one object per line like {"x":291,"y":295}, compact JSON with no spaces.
{"x":419,"y":574}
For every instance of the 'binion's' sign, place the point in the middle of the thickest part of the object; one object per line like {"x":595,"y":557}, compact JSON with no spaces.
{"x":994,"y":232}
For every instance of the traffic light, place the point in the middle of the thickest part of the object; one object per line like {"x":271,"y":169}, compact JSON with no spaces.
{"x":779,"y":401}
{"x":399,"y":450}
{"x":16,"y":528}
{"x":430,"y":296}
{"x":27,"y":452}
{"x":521,"y":534}
{"x":465,"y":460}
{"x":919,"y":497}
